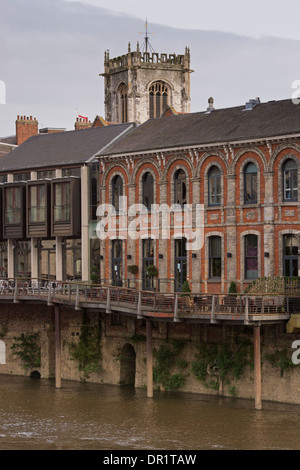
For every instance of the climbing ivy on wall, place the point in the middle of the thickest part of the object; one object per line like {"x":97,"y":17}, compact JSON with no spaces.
{"x":217,"y":365}
{"x":26,"y":347}
{"x":280,"y":359}
{"x":167,"y":360}
{"x":87,"y":352}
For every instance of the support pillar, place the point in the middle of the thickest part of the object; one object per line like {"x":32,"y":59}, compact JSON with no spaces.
{"x":149,"y":359}
{"x":257,"y":367}
{"x":57,"y":348}
{"x":85,"y":241}
{"x":59,"y":259}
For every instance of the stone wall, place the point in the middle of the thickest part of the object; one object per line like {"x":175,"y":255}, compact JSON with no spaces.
{"x":118,"y":331}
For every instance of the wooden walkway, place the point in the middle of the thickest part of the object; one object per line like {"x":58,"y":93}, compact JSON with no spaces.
{"x":194,"y":308}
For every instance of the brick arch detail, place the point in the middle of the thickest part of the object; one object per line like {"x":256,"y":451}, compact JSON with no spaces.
{"x":253,"y":150}
{"x":280,"y":149}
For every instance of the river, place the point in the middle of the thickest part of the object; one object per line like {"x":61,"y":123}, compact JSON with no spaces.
{"x":34,"y":415}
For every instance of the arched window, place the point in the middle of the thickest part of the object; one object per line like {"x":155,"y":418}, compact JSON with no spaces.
{"x":158,"y":98}
{"x":117,"y":191}
{"x":250,"y":184}
{"x":290,"y":180}
{"x":251,"y":257}
{"x":148,"y":190}
{"x":214,"y":186}
{"x":123,"y":106}
{"x":180,"y":187}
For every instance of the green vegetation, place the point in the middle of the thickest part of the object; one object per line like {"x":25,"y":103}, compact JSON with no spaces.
{"x":87,"y":352}
{"x":26,"y":347}
{"x":232,"y":288}
{"x":281,"y":360}
{"x":133,"y":269}
{"x":215,"y":366}
{"x":152,"y":270}
{"x":167,"y":360}
{"x":186,"y":287}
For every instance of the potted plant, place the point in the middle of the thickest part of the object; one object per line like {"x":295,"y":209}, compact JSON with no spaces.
{"x":133,"y":269}
{"x":94,"y":275}
{"x":186,"y":290}
{"x":152,"y":270}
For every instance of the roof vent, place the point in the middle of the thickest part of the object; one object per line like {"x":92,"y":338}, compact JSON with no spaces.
{"x":251,"y":104}
{"x":210,"y":104}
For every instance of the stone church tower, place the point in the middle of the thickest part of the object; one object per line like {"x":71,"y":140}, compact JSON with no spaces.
{"x":140,"y":85}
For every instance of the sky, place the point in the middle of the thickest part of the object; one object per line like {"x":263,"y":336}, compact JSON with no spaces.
{"x":52,"y":52}
{"x":255,"y":18}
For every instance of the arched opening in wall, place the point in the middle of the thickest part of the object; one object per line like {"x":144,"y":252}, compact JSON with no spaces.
{"x":2,"y":352}
{"x":35,"y":374}
{"x":158,"y":98}
{"x":127,"y":365}
{"x":123,"y":103}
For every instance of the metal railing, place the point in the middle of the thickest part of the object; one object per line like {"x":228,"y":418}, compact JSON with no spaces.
{"x":231,"y":306}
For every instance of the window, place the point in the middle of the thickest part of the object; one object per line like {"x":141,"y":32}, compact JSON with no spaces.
{"x":93,"y":187}
{"x":71,"y":172}
{"x":3,"y":178}
{"x":13,"y":203}
{"x":290,"y":256}
{"x":3,"y":260}
{"x":62,"y":202}
{"x":180,"y":263}
{"x":117,"y":191}
{"x":123,"y":103}
{"x":148,"y":260}
{"x":215,"y":260}
{"x":22,"y":176}
{"x":251,"y":257}
{"x":180,"y":187}
{"x":37,"y":203}
{"x":290,"y":180}
{"x":148,"y":190}
{"x":250,"y":184}
{"x":158,"y":98}
{"x":116,"y":262}
{"x":214,"y":186}
{"x":41,"y":175}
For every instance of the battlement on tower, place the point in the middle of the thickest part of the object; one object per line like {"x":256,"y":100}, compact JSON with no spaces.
{"x":140,"y":59}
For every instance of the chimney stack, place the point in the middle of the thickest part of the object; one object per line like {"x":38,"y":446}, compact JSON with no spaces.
{"x":25,"y":127}
{"x":82,"y":123}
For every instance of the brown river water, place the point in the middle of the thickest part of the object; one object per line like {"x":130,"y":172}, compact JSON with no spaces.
{"x":34,"y":415}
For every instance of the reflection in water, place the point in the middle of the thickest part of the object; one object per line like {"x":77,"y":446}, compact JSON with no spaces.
{"x":35,"y":415}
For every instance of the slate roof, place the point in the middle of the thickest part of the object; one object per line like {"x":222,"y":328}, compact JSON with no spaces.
{"x":274,"y":118}
{"x":60,"y":149}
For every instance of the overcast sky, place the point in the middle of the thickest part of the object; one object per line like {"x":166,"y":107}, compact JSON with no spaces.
{"x":254,"y":18}
{"x":51,"y":52}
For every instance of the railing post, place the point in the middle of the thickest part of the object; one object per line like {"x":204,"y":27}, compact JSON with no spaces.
{"x":49,"y":293}
{"x":139,"y":306}
{"x":16,"y":292}
{"x":77,"y":298}
{"x":176,"y":319}
{"x":213,"y":310}
{"x":246,"y":321}
{"x":108,"y":301}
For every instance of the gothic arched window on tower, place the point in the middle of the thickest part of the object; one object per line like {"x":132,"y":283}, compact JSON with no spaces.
{"x":158,"y":98}
{"x":123,"y":107}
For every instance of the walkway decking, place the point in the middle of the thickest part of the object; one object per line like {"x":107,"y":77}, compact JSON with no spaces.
{"x":196,"y":307}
